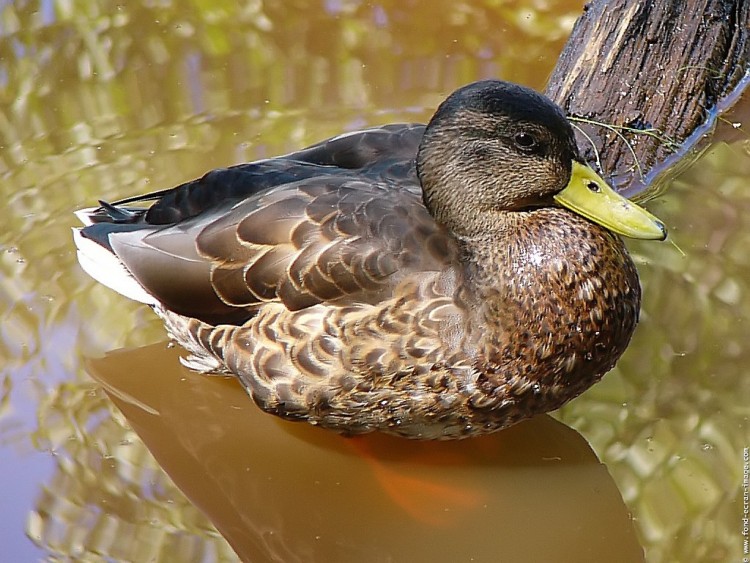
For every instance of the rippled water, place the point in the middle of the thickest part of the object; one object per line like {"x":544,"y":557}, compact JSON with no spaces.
{"x":127,"y":456}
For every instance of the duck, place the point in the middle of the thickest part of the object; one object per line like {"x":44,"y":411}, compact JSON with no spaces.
{"x":435,"y":282}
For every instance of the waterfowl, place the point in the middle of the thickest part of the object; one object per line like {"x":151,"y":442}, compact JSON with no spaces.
{"x":433,"y":282}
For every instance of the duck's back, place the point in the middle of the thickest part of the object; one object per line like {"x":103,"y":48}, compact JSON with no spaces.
{"x":381,"y":154}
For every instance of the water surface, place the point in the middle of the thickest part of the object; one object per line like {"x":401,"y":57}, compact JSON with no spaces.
{"x":125,"y":455}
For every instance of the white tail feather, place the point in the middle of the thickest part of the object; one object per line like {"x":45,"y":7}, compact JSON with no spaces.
{"x":84,"y":215}
{"x":106,"y":268}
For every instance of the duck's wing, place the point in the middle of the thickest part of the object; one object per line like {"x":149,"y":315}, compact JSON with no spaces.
{"x":331,"y":238}
{"x":371,"y":151}
{"x":385,"y":153}
{"x":320,"y":241}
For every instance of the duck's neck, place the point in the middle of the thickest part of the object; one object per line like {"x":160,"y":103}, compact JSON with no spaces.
{"x":552,"y":291}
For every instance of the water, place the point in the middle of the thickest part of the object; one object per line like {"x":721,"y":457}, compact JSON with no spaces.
{"x":127,"y":456}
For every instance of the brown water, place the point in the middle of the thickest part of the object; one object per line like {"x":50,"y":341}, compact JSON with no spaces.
{"x":100,"y":100}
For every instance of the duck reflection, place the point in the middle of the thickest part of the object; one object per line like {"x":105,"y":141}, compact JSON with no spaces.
{"x":281,"y":491}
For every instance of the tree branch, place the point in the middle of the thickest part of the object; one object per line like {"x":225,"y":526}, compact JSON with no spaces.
{"x":665,"y":69}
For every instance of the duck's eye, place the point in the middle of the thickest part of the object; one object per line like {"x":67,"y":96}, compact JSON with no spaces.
{"x":525,"y":141}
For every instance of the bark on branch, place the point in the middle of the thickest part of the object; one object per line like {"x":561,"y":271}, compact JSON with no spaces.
{"x":668,"y":67}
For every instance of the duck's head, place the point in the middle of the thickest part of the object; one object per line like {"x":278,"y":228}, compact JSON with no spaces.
{"x":494,"y":147}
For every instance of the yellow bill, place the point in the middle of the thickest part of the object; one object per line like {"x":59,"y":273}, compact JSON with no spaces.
{"x":589,"y":195}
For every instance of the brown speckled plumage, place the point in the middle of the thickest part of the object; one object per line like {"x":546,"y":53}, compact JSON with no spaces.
{"x":338,"y":297}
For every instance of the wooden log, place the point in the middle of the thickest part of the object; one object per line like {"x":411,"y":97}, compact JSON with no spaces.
{"x":666,"y":69}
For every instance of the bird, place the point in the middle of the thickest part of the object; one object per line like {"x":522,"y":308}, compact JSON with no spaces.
{"x":433,"y":282}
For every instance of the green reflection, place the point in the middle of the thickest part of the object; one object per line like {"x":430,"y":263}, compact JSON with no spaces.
{"x":108,"y":497}
{"x":105,"y":99}
{"x":672,"y":419}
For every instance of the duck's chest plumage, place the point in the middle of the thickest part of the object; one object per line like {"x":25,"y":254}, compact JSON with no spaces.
{"x":557,"y":302}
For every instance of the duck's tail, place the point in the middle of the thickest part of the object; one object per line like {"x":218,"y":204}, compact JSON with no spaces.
{"x":101,"y":263}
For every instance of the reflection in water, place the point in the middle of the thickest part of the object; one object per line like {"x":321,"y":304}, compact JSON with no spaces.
{"x":673,"y":418}
{"x":108,"y":490}
{"x":281,"y":491}
{"x":106,"y":99}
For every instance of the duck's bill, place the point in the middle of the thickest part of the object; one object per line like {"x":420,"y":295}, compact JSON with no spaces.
{"x":590,"y":196}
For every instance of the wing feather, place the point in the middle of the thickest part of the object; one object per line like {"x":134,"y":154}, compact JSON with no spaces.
{"x":340,"y":222}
